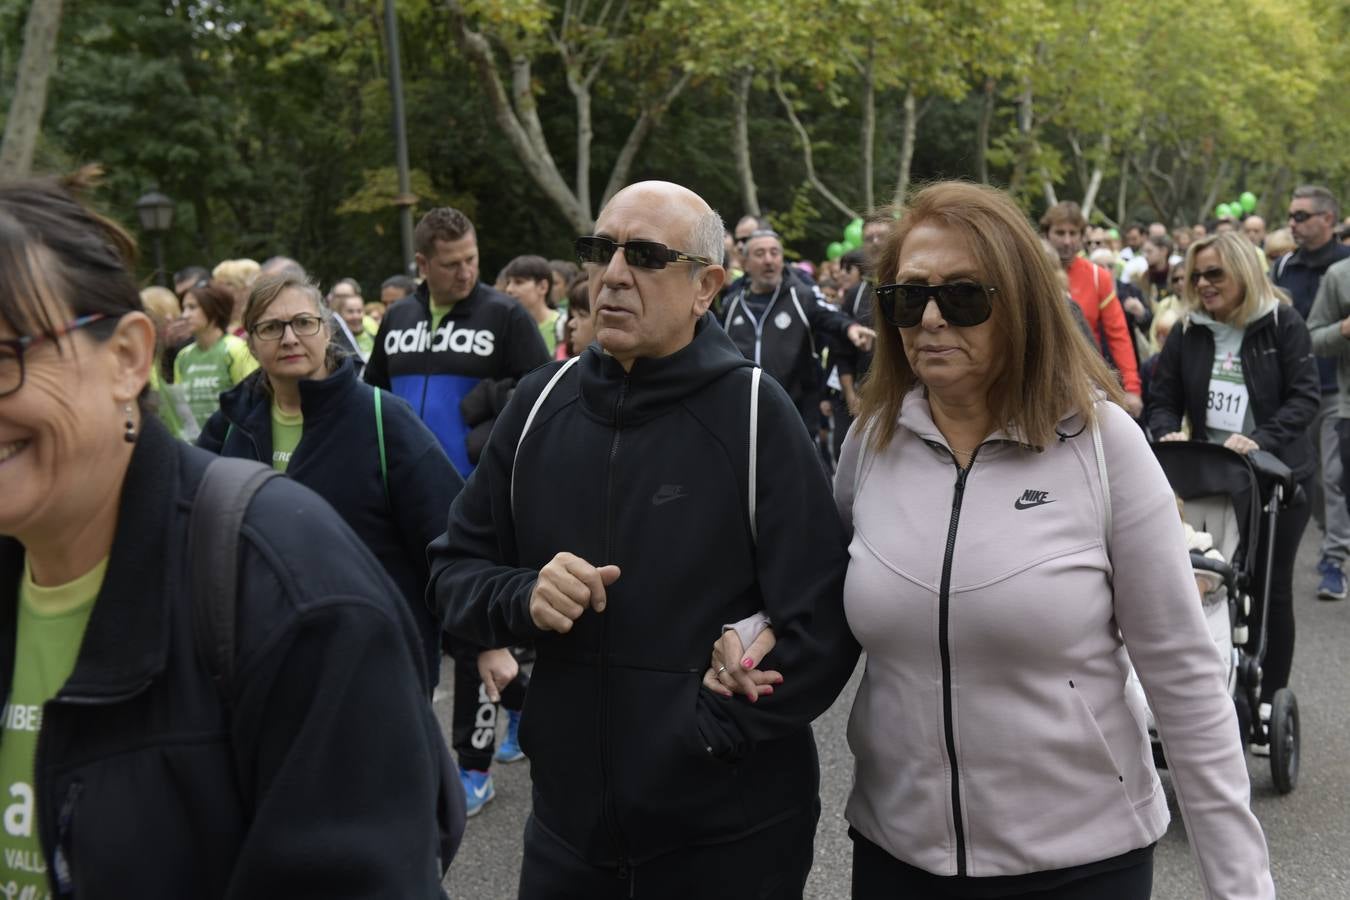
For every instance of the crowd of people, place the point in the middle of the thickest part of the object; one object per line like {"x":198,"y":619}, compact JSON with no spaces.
{"x":602,"y":488}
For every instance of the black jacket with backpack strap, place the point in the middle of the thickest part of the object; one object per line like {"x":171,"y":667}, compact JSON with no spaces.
{"x":395,"y":512}
{"x":151,"y":785}
{"x":784,"y":341}
{"x":652,"y":469}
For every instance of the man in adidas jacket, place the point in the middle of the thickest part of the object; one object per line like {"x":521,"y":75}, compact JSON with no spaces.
{"x":693,"y":495}
{"x":775,"y":318}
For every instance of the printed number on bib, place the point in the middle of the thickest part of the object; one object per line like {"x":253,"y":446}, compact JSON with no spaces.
{"x":1226,"y":408}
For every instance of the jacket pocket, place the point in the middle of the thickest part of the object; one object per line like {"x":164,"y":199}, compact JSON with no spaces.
{"x":669,"y":790}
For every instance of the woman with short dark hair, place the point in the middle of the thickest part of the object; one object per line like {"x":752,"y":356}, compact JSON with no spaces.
{"x":216,"y":360}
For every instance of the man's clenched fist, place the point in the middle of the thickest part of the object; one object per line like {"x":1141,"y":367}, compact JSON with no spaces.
{"x":566,"y":588}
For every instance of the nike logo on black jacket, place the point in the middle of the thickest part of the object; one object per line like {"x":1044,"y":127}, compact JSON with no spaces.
{"x":630,"y":756}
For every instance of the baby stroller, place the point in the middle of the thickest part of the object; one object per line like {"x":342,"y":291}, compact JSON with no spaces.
{"x":1237,"y":500}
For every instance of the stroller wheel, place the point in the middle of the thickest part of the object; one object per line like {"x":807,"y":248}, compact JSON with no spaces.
{"x":1284,"y":749}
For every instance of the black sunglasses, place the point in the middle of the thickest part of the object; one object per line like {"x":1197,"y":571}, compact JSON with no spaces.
{"x":962,"y":303}
{"x":642,"y":254}
{"x":1301,"y":216}
{"x":1215,"y":276}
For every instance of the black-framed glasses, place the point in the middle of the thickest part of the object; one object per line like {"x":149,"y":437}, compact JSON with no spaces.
{"x":642,"y":254}
{"x":1214,"y":276}
{"x":13,"y":349}
{"x":1097,"y":243}
{"x":304,"y":325}
{"x":1300,"y":216}
{"x":962,"y":303}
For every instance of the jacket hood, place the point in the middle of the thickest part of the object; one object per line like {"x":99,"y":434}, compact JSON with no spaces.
{"x":1200,"y":317}
{"x":655,"y":385}
{"x":317,"y":397}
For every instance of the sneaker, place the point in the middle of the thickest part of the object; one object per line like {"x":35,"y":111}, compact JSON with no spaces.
{"x":1333,"y":580}
{"x":478,"y":790}
{"x":508,"y":751}
{"x":1263,"y":748}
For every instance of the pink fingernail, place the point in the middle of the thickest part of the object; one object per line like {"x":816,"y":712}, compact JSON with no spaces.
{"x":753,"y":698}
{"x":748,"y":663}
{"x":767,"y":689}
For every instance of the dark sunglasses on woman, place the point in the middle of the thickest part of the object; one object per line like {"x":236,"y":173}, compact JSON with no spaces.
{"x":962,"y":303}
{"x":1214,"y":276}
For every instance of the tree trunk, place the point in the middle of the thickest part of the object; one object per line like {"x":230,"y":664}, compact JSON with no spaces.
{"x":30,"y":89}
{"x":982,"y":131}
{"x":1048,"y":188}
{"x":650,"y":118}
{"x":740,"y":142}
{"x":1212,"y":196}
{"x":910,"y":129}
{"x":869,"y":127}
{"x":1026,"y":140}
{"x":1094,"y":183}
{"x":1122,"y":196}
{"x":807,"y":155}
{"x":585,"y":133}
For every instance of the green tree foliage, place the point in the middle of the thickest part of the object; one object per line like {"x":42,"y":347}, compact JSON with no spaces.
{"x":268,"y":121}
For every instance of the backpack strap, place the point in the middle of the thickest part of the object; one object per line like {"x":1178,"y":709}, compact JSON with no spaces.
{"x":223,"y":497}
{"x":755,"y":375}
{"x":379,"y":435}
{"x":529,"y":420}
{"x":1105,"y":481}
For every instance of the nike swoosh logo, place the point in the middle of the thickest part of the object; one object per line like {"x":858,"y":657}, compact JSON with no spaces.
{"x":661,"y":498}
{"x":1020,"y":505}
{"x":480,"y":792}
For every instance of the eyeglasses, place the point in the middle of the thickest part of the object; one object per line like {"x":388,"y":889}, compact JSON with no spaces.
{"x":303,"y":325}
{"x":1096,"y":243}
{"x":1214,"y":276}
{"x":642,"y":254}
{"x":13,"y":349}
{"x":962,"y":303}
{"x":1298,"y":217}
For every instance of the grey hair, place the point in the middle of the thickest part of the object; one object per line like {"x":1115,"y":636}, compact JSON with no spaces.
{"x":1324,"y":199}
{"x":708,"y":237}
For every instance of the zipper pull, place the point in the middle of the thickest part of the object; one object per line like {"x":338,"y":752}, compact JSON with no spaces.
{"x":65,"y":883}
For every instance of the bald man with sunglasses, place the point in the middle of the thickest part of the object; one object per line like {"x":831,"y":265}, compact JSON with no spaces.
{"x":693,"y":495}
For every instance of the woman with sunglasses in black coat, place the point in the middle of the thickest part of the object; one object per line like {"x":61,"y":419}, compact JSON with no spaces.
{"x":1240,"y":367}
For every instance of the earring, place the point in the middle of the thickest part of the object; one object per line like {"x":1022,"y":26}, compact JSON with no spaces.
{"x":130,"y":434}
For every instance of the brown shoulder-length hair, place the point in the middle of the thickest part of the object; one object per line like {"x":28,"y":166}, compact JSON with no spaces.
{"x":264,"y":293}
{"x":1046,"y":369}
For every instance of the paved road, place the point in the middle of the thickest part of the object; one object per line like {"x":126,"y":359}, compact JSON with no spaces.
{"x":1308,"y":831}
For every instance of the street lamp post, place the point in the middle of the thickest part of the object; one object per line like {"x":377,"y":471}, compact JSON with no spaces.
{"x":156,"y":214}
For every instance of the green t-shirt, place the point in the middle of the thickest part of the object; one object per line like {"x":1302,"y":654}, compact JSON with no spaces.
{"x":205,"y":374}
{"x":439,"y":312}
{"x":286,"y":431}
{"x":365,"y":342}
{"x":549,"y":330}
{"x":51,"y":627}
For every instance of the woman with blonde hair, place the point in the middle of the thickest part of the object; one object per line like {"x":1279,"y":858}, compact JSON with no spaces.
{"x":1013,"y":536}
{"x":1240,"y":368}
{"x":237,"y":277}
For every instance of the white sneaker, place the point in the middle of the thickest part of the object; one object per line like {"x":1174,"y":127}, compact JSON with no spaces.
{"x":1263,"y":749}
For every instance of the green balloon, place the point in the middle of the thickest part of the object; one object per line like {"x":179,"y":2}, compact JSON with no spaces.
{"x":1221,"y":211}
{"x":1113,"y":233}
{"x":853,"y":243}
{"x":835,"y":250}
{"x":853,"y":233}
{"x":1248,"y":201}
{"x":1235,"y":209}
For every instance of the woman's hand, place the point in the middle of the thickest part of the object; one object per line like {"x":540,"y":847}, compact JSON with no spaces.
{"x":1241,"y":443}
{"x":733,"y":671}
{"x":497,"y":668}
{"x":1173,"y":436}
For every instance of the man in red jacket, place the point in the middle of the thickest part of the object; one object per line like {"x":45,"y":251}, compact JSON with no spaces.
{"x":1094,"y":290}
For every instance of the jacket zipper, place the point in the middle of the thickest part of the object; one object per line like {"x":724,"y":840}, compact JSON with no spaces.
{"x":608,"y":810}
{"x":62,"y":874}
{"x":944,"y":641}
